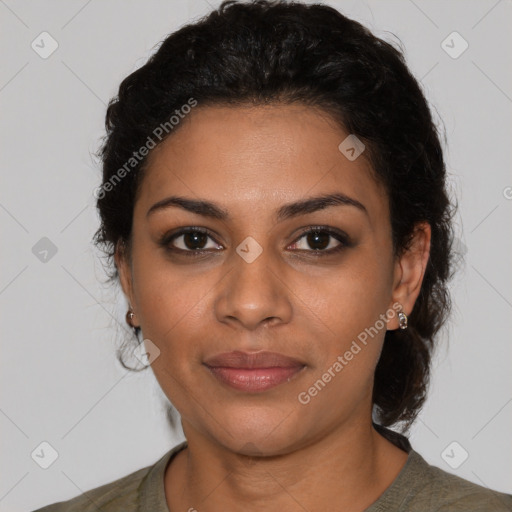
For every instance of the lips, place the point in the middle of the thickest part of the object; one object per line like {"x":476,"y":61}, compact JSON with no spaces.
{"x":253,"y":372}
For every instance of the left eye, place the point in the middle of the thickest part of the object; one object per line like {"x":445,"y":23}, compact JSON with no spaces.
{"x":320,"y":240}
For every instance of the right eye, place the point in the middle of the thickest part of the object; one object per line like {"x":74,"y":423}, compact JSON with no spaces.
{"x":191,"y":241}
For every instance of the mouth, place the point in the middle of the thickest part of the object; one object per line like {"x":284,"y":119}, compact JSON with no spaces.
{"x":253,"y":372}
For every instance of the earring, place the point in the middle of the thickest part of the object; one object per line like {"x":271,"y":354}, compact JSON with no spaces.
{"x":129,"y":317}
{"x":402,"y":317}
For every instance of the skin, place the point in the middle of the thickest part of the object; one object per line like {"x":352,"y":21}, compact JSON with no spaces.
{"x":268,"y":451}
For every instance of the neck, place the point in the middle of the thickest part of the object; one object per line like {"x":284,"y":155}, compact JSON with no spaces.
{"x":349,"y":468}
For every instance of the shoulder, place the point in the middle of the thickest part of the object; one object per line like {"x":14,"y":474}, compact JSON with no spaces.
{"x":121,"y":494}
{"x":126,"y":494}
{"x":452,"y":493}
{"x":423,"y":487}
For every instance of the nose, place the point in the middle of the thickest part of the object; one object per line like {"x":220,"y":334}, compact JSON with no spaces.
{"x":254,"y":295}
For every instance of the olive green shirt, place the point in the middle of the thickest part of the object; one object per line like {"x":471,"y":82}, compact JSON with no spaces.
{"x":419,"y":487}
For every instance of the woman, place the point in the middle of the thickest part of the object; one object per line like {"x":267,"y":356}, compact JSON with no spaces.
{"x":274,"y":207}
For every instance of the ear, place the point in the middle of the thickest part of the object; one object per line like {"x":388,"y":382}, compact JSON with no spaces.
{"x":124,"y":269}
{"x":409,"y":271}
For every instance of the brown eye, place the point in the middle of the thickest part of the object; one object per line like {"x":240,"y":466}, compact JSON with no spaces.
{"x":321,"y":240}
{"x":193,"y":240}
{"x":190,"y":240}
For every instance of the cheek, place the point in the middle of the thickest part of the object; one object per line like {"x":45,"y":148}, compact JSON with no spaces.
{"x":348,"y":310}
{"x":170,"y":307}
{"x":172,"y":313}
{"x":163,"y":291}
{"x":353,"y":297}
{"x":168,"y":301}
{"x":351,"y":336}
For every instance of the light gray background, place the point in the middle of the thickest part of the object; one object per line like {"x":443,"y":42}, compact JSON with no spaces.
{"x":60,"y":380}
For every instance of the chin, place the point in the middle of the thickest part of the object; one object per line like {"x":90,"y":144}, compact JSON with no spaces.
{"x":253,"y":430}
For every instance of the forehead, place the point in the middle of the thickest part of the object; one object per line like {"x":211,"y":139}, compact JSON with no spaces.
{"x":255,"y":158}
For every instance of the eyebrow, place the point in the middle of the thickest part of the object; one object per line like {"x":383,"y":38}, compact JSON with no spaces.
{"x":305,"y":206}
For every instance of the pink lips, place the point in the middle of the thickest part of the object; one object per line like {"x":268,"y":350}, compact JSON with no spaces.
{"x":253,"y":372}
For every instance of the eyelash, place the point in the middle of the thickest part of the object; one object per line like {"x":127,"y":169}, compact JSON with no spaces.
{"x":339,"y":236}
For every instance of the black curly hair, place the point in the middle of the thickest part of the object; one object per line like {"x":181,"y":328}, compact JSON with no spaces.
{"x":265,"y":52}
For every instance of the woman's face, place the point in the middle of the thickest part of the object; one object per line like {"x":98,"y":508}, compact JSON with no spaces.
{"x":256,"y":281}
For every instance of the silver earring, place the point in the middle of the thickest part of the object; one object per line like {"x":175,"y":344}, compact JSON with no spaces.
{"x":129,"y":317}
{"x":402,"y":317}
